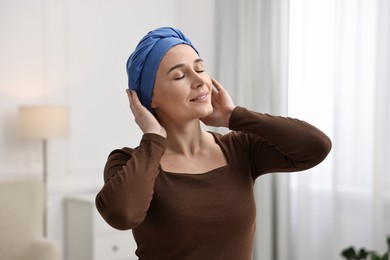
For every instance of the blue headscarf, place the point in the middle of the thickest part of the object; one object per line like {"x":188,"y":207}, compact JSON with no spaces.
{"x":143,"y":63}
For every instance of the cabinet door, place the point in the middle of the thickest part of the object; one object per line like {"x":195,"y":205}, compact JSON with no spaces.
{"x":114,"y":246}
{"x":89,"y":237}
{"x":110,"y":241}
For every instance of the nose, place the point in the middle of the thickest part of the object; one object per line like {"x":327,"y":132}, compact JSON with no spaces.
{"x":197,"y":80}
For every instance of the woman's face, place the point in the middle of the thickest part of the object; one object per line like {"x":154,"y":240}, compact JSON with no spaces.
{"x":182,"y":88}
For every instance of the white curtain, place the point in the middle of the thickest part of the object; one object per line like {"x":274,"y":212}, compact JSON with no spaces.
{"x":339,"y":80}
{"x":252,"y":62}
{"x":333,"y":60}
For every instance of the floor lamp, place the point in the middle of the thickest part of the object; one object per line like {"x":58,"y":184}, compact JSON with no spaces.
{"x":44,"y":122}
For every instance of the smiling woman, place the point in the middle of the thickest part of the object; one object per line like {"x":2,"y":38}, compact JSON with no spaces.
{"x":171,"y":86}
{"x":187,"y":193}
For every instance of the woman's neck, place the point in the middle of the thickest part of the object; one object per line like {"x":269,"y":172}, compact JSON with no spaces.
{"x":186,"y":140}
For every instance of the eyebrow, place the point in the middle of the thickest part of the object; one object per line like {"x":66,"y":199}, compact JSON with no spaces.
{"x":182,"y":64}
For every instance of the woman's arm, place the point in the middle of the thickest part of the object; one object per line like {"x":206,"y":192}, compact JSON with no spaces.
{"x":280,"y":144}
{"x":275,"y":143}
{"x":129,"y":174}
{"x":129,"y":177}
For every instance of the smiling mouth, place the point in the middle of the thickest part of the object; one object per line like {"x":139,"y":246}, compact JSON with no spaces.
{"x":200,"y":98}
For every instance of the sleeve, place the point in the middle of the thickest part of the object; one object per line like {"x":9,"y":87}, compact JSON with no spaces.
{"x":129,"y":177}
{"x":279,"y":144}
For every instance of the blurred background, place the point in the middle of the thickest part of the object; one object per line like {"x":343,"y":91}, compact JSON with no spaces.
{"x":325,"y":62}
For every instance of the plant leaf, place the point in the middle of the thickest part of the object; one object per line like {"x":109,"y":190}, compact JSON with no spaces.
{"x":376,"y":257}
{"x":362,"y":254}
{"x":349,"y":253}
{"x":388,"y":243}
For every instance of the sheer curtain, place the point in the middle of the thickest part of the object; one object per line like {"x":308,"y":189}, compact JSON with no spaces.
{"x":332,"y":58}
{"x":338,"y":79}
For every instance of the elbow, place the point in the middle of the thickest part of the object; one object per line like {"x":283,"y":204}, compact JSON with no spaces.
{"x":324,"y":147}
{"x":319,"y":151}
{"x":313,"y":155}
{"x":123,"y":222}
{"x":118,"y":217}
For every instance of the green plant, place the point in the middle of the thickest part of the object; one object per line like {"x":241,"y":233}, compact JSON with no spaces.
{"x":351,"y":254}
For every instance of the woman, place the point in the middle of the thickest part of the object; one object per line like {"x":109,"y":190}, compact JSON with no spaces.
{"x":187,"y":193}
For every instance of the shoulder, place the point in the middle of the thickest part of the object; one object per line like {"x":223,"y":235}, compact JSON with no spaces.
{"x":147,"y":140}
{"x":233,"y":139}
{"x":124,"y":153}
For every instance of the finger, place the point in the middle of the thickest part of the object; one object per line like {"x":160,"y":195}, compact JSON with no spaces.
{"x":128,"y":93}
{"x":135,"y":104}
{"x":129,"y":96}
{"x":214,"y":91}
{"x":217,"y":85}
{"x":134,"y":98}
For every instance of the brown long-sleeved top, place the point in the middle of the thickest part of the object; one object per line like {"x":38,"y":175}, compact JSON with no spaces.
{"x":211,"y":215}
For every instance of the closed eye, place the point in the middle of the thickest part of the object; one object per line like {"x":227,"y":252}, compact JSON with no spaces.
{"x":182,"y":77}
{"x":179,"y":78}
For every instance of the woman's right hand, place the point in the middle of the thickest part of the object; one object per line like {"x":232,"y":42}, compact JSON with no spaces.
{"x":144,"y":119}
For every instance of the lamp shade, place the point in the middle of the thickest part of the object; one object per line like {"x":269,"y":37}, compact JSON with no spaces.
{"x":44,"y":121}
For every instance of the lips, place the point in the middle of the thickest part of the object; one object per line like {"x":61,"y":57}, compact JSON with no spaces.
{"x":200,"y":97}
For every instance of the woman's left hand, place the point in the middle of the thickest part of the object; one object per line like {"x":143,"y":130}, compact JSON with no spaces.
{"x":223,"y":107}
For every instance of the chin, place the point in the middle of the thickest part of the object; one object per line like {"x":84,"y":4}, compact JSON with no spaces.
{"x":207,"y":111}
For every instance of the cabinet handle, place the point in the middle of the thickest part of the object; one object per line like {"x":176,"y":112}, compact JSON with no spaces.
{"x":115,"y":248}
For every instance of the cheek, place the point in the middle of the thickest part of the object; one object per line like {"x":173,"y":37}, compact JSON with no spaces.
{"x":168,"y":95}
{"x":207,"y":80}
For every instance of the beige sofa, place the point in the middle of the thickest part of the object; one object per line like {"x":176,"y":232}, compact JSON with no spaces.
{"x":21,"y":221}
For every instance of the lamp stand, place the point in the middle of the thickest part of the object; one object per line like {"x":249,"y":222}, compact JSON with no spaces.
{"x":44,"y":179}
{"x":44,"y":122}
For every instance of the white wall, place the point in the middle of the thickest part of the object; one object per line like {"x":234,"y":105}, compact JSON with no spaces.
{"x":74,"y":52}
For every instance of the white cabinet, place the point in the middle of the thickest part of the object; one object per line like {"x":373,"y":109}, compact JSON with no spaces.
{"x":89,"y":237}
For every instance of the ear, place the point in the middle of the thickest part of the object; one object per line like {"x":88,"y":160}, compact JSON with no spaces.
{"x":153,"y":104}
